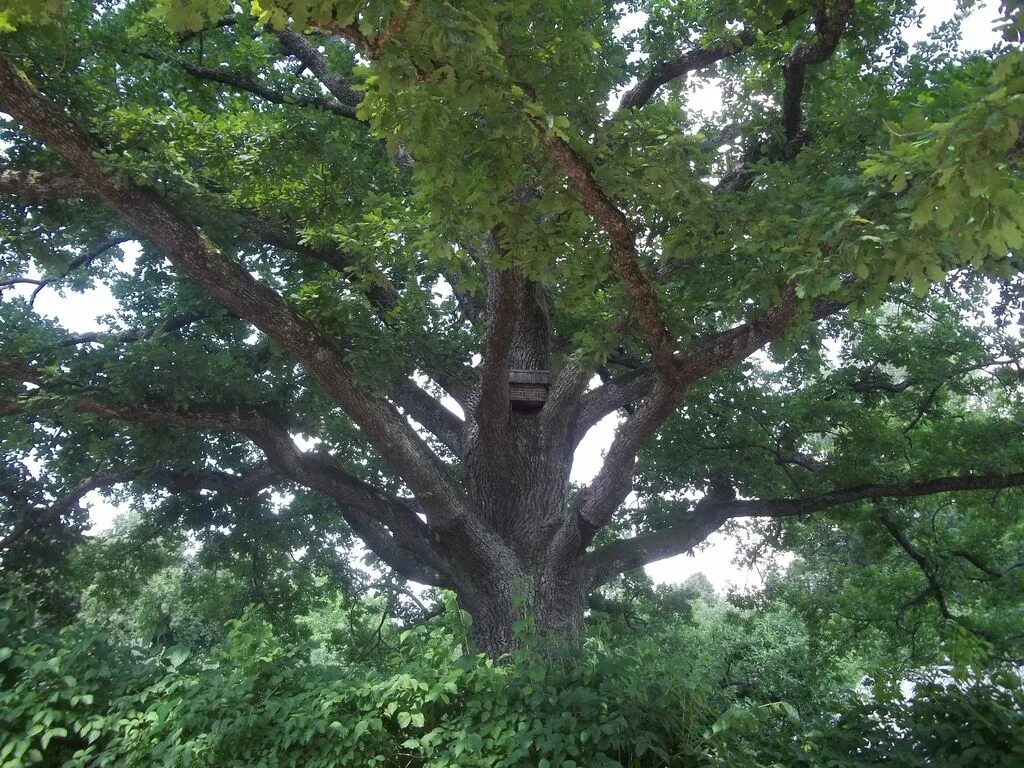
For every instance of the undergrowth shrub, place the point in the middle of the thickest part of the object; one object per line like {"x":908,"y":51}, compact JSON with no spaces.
{"x":69,"y":697}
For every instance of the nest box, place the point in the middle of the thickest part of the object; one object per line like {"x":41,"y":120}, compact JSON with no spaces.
{"x":528,"y":389}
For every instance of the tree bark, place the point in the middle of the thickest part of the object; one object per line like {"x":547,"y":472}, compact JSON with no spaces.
{"x":509,"y":608}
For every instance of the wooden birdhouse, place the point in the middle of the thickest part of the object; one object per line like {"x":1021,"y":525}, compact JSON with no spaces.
{"x":528,"y":389}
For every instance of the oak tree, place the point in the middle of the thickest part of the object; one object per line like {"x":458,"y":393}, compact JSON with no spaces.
{"x":440,"y":242}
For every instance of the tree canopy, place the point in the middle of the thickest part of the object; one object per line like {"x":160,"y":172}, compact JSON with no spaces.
{"x":365,"y":225}
{"x":380,"y":268}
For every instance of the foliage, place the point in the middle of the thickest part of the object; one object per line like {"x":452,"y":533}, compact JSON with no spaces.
{"x":909,"y":193}
{"x":324,"y":222}
{"x":73,"y":697}
{"x":974,"y":722}
{"x":252,"y":701}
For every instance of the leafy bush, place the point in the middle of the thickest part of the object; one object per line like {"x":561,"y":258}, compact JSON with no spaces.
{"x":60,"y":691}
{"x":70,"y":697}
{"x":954,"y":724}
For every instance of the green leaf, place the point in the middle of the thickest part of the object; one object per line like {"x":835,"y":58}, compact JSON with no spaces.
{"x":176,"y":655}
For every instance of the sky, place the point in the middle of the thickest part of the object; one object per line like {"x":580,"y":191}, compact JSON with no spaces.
{"x":82,"y":312}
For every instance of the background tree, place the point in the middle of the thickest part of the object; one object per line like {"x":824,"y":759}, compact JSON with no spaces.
{"x":351,"y":214}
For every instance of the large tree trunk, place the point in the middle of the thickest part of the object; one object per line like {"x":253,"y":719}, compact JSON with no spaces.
{"x":509,"y":610}
{"x":529,"y":581}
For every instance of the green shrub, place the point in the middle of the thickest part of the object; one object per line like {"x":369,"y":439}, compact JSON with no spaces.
{"x":69,"y":697}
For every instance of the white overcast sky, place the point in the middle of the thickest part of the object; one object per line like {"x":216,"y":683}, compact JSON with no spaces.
{"x":81,"y":313}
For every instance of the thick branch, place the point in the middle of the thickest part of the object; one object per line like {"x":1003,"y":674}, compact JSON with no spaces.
{"x":561,"y":414}
{"x":388,"y":525}
{"x":504,"y":306}
{"x":473,"y":306}
{"x":624,"y":254}
{"x":380,"y":291}
{"x":299,"y":47}
{"x":799,"y":459}
{"x":735,"y":344}
{"x":709,"y":514}
{"x":424,"y":408}
{"x":829,"y":28}
{"x":598,"y":501}
{"x":42,"y":517}
{"x":628,"y":554}
{"x":170,"y":324}
{"x":691,"y":61}
{"x":709,"y":356}
{"x":792,"y":507}
{"x":236,"y":486}
{"x":16,"y":371}
{"x":235,"y":288}
{"x":468,"y":304}
{"x":40,"y":185}
{"x":613,"y":395}
{"x":870,"y":383}
{"x":981,"y":565}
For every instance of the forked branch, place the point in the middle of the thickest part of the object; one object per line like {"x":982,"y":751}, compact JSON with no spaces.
{"x":82,"y":261}
{"x":829,"y":28}
{"x":691,"y":61}
{"x":708,"y":356}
